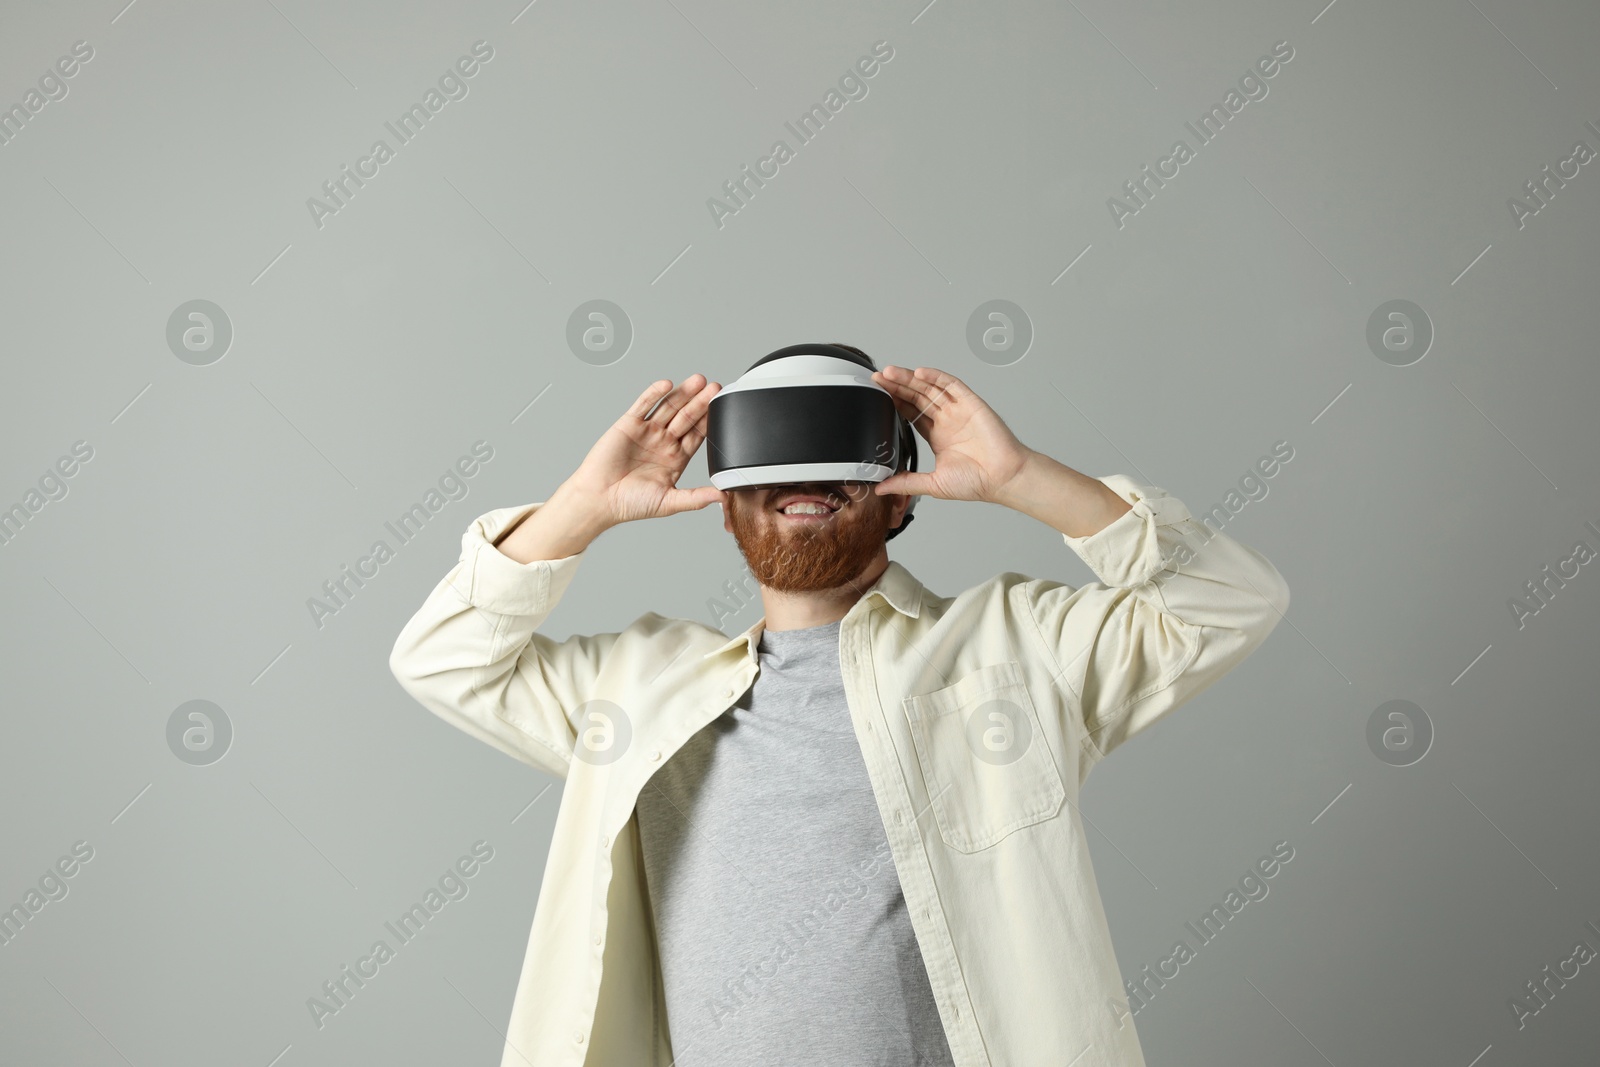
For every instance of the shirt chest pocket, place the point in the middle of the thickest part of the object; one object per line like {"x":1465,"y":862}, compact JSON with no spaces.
{"x":988,"y":769}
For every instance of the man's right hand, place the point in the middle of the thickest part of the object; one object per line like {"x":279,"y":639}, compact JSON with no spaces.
{"x":630,"y":473}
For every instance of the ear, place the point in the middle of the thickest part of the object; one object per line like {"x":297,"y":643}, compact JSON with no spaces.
{"x":725,"y":503}
{"x":898,"y":503}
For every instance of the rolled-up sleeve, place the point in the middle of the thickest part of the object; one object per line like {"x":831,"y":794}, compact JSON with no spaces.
{"x":1177,"y":606}
{"x":471,"y":654}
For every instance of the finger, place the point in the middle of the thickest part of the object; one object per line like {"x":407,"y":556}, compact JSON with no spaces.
{"x":907,"y":402}
{"x":898,"y":380}
{"x":908,"y":483}
{"x":940,"y":387}
{"x":691,"y":441}
{"x":674,"y":401}
{"x":919,"y":391}
{"x":906,"y":382}
{"x":647,"y":399}
{"x":950,"y":389}
{"x":694,"y":410}
{"x":922,"y":421}
{"x":896,"y":389}
{"x":680,"y":500}
{"x":946,"y":387}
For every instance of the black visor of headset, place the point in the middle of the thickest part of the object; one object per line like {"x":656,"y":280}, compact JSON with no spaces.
{"x":819,"y":425}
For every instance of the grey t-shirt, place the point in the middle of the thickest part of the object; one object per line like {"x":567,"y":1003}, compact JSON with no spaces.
{"x":783,"y":934}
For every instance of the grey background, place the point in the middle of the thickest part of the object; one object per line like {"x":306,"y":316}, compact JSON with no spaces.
{"x":369,"y":354}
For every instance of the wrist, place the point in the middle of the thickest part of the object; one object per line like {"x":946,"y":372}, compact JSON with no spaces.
{"x":559,"y":527}
{"x":1015,"y":490}
{"x":581,"y":511}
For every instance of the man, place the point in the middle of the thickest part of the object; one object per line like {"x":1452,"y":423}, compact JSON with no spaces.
{"x":849,"y":835}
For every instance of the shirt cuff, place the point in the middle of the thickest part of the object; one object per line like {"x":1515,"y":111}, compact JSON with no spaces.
{"x":1127,"y":552}
{"x":495,"y":582}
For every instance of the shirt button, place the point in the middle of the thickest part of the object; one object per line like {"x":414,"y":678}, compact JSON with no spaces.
{"x":598,"y":938}
{"x":578,"y":1037}
{"x":656,"y":754}
{"x":899,"y":816}
{"x":605,"y":840}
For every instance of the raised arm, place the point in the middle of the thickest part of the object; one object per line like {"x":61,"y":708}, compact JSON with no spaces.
{"x":1177,"y":605}
{"x":472,"y":653}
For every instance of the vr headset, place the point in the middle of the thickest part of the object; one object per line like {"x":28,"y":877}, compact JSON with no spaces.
{"x":807,"y":413}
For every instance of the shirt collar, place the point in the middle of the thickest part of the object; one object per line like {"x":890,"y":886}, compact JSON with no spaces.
{"x":895,"y":585}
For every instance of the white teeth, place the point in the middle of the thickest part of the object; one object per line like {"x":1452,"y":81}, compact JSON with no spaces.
{"x":807,"y":508}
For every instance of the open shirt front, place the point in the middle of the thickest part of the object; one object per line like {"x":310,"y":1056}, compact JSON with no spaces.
{"x":985,"y":836}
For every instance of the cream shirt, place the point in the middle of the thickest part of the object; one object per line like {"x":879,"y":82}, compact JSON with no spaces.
{"x":979,"y":717}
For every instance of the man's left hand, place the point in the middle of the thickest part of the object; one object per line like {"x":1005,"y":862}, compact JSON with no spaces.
{"x":975,"y":453}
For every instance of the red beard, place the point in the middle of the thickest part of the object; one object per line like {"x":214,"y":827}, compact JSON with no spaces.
{"x":795,"y":557}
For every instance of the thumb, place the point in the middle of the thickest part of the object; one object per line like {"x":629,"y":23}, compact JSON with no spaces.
{"x":911,"y":483}
{"x":679,"y":500}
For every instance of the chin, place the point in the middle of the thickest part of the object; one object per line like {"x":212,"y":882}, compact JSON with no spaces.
{"x":798,"y":556}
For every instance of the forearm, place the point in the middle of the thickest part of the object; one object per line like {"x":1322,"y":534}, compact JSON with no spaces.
{"x":1176,"y":607}
{"x":472,"y":653}
{"x":1060,"y":497}
{"x":562,"y":526}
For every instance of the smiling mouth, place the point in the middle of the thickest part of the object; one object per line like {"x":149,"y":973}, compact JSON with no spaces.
{"x":810,"y":509}
{"x":813,"y":511}
{"x":812,"y":518}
